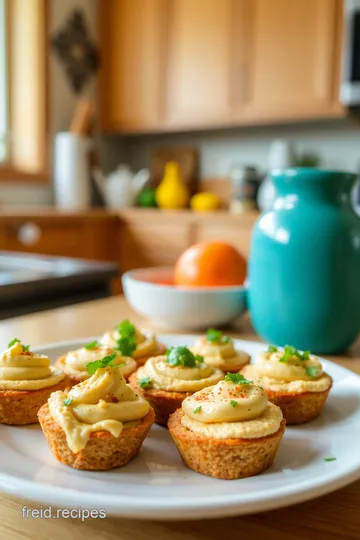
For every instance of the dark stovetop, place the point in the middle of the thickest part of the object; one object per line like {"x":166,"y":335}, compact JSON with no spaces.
{"x":30,"y":283}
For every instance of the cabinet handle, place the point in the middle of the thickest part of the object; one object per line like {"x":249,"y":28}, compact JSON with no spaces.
{"x":29,"y":234}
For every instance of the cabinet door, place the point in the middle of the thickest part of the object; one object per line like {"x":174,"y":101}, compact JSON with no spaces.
{"x":133,"y":47}
{"x":199,"y":62}
{"x":290,"y":59}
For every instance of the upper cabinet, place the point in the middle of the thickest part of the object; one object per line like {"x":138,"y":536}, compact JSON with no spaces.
{"x":183,"y":64}
{"x":199,"y":60}
{"x":290,"y":59}
{"x":132,"y":74}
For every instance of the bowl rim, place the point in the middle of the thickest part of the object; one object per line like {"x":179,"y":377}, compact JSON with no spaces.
{"x":128,"y":276}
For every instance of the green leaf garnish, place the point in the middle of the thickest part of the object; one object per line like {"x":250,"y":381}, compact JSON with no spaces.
{"x":126,"y":329}
{"x":233,"y":403}
{"x":197,"y":410}
{"x":272,"y":348}
{"x":214,"y":336}
{"x":13,"y":341}
{"x":92,"y":345}
{"x":145,"y":382}
{"x":107,"y":361}
{"x":26,"y":348}
{"x":312,"y":371}
{"x":183,"y":357}
{"x":236,"y":378}
{"x":330,"y":459}
{"x":126,"y":345}
{"x":290,"y":351}
{"x":67,"y":401}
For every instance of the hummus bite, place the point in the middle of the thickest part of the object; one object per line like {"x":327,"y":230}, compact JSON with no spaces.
{"x":100,"y":423}
{"x":293,"y":380}
{"x":26,"y":381}
{"x":218,"y":351}
{"x":74,"y":362}
{"x":165,"y":381}
{"x":140,"y":343}
{"x":229,"y":430}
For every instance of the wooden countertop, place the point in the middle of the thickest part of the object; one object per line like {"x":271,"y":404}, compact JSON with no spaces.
{"x":335,"y":516}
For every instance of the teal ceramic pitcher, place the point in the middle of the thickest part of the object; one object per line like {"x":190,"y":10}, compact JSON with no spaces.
{"x":304,"y":267}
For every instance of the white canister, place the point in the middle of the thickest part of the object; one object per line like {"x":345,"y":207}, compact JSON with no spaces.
{"x":72,"y":171}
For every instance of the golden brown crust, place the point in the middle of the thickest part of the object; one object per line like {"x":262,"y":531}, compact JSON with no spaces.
{"x":76,"y":379}
{"x":103,"y":451}
{"x":299,"y":408}
{"x":164,"y":403}
{"x":161,"y":350}
{"x":224,"y":458}
{"x":19,"y":407}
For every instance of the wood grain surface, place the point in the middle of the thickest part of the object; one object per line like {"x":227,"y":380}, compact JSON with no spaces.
{"x":335,"y":516}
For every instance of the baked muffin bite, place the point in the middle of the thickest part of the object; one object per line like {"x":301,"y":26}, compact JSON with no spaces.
{"x":74,"y":363}
{"x":293,"y":380}
{"x":26,"y":381}
{"x":229,"y":430}
{"x":165,"y":381}
{"x":218,"y":350}
{"x":140,"y":343}
{"x":100,"y":423}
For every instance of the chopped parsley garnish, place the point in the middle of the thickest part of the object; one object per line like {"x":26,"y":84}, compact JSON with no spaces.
{"x":107,"y":361}
{"x":126,"y":345}
{"x":330,"y":459}
{"x":126,"y":329}
{"x":290,"y":351}
{"x":145,"y":382}
{"x":272,"y":348}
{"x":25,"y":348}
{"x":215,"y":336}
{"x":183,"y":357}
{"x":13,"y":341}
{"x":236,"y":378}
{"x":312,"y":371}
{"x":92,"y":345}
{"x":197,"y":410}
{"x":233,"y":403}
{"x":68,"y":400}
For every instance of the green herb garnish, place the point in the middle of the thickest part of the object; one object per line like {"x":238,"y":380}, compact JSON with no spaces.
{"x":272,"y":348}
{"x":92,"y":345}
{"x":330,"y":459}
{"x":13,"y":341}
{"x":145,"y":382}
{"x":67,"y":401}
{"x":312,"y":371}
{"x":126,"y":329}
{"x":183,"y":357}
{"x":197,"y":410}
{"x":26,"y":348}
{"x":214,"y":336}
{"x":126,"y":345}
{"x":290,"y":351}
{"x":236,"y":378}
{"x":233,"y":403}
{"x":107,"y":361}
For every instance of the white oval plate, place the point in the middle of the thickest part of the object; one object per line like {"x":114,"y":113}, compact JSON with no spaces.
{"x":156,"y":484}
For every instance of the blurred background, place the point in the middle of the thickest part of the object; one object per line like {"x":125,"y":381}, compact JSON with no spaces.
{"x":130,"y":129}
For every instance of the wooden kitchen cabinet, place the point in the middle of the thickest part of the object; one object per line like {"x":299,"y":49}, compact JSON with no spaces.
{"x":132,"y":35}
{"x":183,"y":64}
{"x":290,"y":59}
{"x":200,"y":62}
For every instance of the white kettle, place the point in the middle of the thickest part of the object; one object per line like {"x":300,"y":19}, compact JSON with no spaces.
{"x":121,"y":188}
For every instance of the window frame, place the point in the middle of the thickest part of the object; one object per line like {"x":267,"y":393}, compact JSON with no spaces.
{"x":15,"y":168}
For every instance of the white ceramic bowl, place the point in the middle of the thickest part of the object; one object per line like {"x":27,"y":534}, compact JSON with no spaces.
{"x":181,"y":308}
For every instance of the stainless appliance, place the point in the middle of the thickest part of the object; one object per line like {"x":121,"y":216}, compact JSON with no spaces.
{"x":350,"y":76}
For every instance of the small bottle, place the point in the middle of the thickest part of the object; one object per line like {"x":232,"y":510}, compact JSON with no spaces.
{"x":245,"y":181}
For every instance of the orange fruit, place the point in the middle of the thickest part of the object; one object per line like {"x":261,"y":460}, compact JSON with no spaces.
{"x":210,"y":264}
